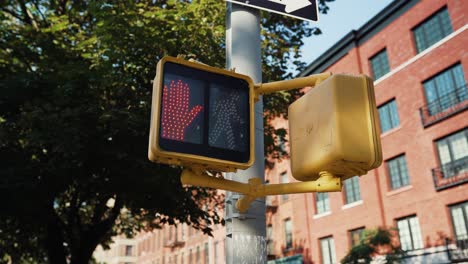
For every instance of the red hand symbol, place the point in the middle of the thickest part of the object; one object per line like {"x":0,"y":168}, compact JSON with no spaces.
{"x":176,"y":115}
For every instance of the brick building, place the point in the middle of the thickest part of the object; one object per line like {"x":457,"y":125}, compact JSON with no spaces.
{"x":416,"y":51}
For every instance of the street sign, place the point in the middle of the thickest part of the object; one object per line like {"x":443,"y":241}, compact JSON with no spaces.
{"x":201,"y":116}
{"x":301,"y":9}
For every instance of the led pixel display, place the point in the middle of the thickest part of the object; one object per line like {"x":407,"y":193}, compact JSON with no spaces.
{"x":204,"y":113}
{"x":182,"y":114}
{"x":227,"y":123}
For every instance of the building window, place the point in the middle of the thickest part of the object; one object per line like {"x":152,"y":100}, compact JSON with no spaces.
{"x":445,"y":90}
{"x":269,"y":236}
{"x":410,"y":233}
{"x":284,"y":179}
{"x":322,"y":203}
{"x":352,"y":190}
{"x":190,"y":257}
{"x":207,"y":254}
{"x":398,"y":172}
{"x":182,"y":232}
{"x":388,"y":114}
{"x":459,"y":214}
{"x":355,"y":236}
{"x":215,"y":249}
{"x":327,"y":247}
{"x":198,"y":255}
{"x":432,"y":30}
{"x":288,"y":233}
{"x":379,"y":64}
{"x":128,"y":250}
{"x":182,"y":258}
{"x":453,"y":153}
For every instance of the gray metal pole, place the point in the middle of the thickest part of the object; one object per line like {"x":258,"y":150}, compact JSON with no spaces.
{"x":245,"y":233}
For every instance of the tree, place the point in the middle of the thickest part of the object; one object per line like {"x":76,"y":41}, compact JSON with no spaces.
{"x":75,"y":93}
{"x":374,"y":242}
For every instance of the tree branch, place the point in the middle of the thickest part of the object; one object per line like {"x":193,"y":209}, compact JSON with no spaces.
{"x":100,"y":210}
{"x":27,"y":15}
{"x":94,"y":235}
{"x":12,"y":13}
{"x":55,"y":239}
{"x":39,"y":11}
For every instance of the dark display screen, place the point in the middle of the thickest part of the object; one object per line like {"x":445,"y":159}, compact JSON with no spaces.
{"x":205,"y":114}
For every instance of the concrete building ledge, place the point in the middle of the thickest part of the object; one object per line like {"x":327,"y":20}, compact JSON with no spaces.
{"x":351,"y":205}
{"x":400,"y":190}
{"x":391,"y":131}
{"x":317,"y":216}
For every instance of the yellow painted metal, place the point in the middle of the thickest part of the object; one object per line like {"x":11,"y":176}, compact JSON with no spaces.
{"x":255,"y":189}
{"x":199,"y":178}
{"x":297,"y":83}
{"x":156,"y":154}
{"x":334,"y":135}
{"x":335,"y":128}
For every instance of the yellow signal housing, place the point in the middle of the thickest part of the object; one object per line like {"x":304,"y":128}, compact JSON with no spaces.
{"x":201,"y":117}
{"x":335,"y":128}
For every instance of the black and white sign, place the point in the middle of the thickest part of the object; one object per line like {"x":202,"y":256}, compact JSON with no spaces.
{"x":301,"y":9}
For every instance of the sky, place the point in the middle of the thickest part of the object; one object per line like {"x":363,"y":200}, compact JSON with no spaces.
{"x":343,"y":17}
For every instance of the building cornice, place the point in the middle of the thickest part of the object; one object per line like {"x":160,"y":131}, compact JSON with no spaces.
{"x":358,"y":37}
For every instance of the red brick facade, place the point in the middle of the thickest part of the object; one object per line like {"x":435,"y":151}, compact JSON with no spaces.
{"x":379,"y":205}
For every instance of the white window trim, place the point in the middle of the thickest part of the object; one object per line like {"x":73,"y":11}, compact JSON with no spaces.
{"x":400,"y":190}
{"x":391,"y":131}
{"x":351,"y":205}
{"x":317,"y":216}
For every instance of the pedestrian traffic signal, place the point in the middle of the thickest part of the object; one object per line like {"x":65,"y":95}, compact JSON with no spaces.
{"x":201,"y":116}
{"x":334,"y":128}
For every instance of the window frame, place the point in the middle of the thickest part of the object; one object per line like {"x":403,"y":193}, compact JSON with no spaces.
{"x":215,"y":251}
{"x":412,"y":239}
{"x":393,"y":120}
{"x":269,"y":239}
{"x":356,"y":194}
{"x":384,"y":65}
{"x":317,"y":200}
{"x":389,"y":178}
{"x":207,"y":253}
{"x":128,"y":250}
{"x":331,"y":251}
{"x":445,"y":138}
{"x":284,"y":178}
{"x":424,"y":22}
{"x":461,"y":205}
{"x":352,"y":231}
{"x":288,"y":238}
{"x":455,"y":87}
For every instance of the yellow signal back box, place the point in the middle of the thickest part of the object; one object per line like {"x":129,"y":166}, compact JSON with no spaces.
{"x":335,"y":128}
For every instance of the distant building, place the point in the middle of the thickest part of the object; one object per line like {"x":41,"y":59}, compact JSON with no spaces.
{"x":122,"y":251}
{"x":417,"y":53}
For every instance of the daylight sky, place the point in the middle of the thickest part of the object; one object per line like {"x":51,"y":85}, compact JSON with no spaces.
{"x":343,"y":16}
